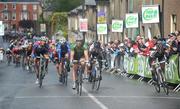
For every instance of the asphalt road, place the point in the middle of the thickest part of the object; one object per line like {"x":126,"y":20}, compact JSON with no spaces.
{"x":19,"y":91}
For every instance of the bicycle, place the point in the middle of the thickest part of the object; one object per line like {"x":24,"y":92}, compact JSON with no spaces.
{"x":160,"y":78}
{"x":30,"y":64}
{"x":42,"y":70}
{"x":79,"y":80}
{"x":9,"y":58}
{"x":96,"y":73}
{"x":64,"y":72}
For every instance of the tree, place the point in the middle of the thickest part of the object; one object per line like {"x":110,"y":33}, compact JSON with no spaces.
{"x":60,"y":21}
{"x":26,"y":24}
{"x":65,"y":5}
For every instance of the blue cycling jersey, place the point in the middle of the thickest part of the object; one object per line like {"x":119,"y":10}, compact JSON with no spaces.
{"x":62,"y":49}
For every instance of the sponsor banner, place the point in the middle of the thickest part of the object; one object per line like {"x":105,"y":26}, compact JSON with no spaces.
{"x":150,"y":14}
{"x":132,"y":20}
{"x":117,"y":25}
{"x":101,"y":28}
{"x":139,"y":65}
{"x":83,"y":25}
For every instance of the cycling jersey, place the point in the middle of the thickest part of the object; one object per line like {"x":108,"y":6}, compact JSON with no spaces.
{"x":39,"y":50}
{"x":62,"y":50}
{"x":79,"y":51}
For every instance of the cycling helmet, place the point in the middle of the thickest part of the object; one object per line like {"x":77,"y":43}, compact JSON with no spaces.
{"x":97,"y":45}
{"x":43,"y":38}
{"x":62,"y":40}
{"x":79,"y":37}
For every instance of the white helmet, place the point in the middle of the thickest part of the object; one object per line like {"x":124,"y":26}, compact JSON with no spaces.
{"x":62,"y":40}
{"x":79,"y":37}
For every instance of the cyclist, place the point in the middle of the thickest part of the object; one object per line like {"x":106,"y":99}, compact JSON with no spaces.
{"x":28,"y":53}
{"x":96,"y":51}
{"x":40,"y":49}
{"x":157,"y":53}
{"x":61,"y":52}
{"x":78,"y":52}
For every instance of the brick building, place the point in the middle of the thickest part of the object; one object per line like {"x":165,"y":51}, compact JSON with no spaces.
{"x":13,"y":11}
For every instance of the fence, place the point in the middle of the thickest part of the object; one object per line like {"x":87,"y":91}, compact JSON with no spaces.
{"x":139,"y":66}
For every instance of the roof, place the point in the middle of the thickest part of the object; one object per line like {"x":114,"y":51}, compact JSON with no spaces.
{"x":90,"y":2}
{"x":87,"y":2}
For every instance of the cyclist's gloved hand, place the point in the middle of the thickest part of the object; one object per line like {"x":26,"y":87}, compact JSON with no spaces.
{"x":88,"y":63}
{"x":33,"y":56}
{"x":71,"y":63}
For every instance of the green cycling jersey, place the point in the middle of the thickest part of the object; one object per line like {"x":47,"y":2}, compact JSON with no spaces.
{"x":78,"y":51}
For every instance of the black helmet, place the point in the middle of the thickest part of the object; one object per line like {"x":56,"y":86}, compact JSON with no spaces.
{"x":97,"y":45}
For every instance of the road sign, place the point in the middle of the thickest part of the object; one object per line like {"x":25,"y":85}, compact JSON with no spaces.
{"x":101,"y":28}
{"x":132,"y":20}
{"x":83,"y":25}
{"x":1,"y":29}
{"x":150,"y":14}
{"x":101,"y":17}
{"x":117,"y":26}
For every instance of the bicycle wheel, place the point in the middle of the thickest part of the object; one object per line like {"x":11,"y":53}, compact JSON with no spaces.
{"x":80,"y":82}
{"x":166,"y":88}
{"x":99,"y":78}
{"x":9,"y":60}
{"x":40,"y":80}
{"x":66,"y":77}
{"x":93,"y":82}
{"x":156,"y":83}
{"x":164,"y":85}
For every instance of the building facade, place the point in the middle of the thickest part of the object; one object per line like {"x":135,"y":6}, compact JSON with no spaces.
{"x":117,"y":9}
{"x":76,"y":14}
{"x":13,"y":11}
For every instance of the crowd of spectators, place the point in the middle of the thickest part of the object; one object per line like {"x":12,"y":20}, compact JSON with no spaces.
{"x":115,"y":50}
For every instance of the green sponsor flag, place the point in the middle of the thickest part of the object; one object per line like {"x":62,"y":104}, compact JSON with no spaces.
{"x":101,"y":28}
{"x":150,"y":14}
{"x":132,"y":20}
{"x":117,"y":26}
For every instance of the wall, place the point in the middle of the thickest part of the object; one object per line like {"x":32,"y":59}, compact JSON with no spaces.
{"x":171,"y":7}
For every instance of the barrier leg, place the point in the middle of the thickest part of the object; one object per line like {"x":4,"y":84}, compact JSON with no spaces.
{"x":141,"y":78}
{"x":131,"y":77}
{"x":150,"y":81}
{"x":177,"y":88}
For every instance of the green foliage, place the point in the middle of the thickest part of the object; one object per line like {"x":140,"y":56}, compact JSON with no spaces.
{"x":60,"y":22}
{"x":65,"y":5}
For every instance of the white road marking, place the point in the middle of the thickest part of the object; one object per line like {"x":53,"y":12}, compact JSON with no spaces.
{"x":118,"y":97}
{"x":95,"y":99}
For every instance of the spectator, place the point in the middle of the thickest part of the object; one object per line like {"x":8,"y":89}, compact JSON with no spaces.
{"x":178,"y":44}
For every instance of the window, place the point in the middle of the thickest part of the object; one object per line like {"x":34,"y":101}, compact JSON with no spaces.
{"x":24,"y":16}
{"x":5,"y":6}
{"x":173,"y":23}
{"x":14,"y":16}
{"x":5,"y":16}
{"x":34,"y":7}
{"x":34,"y":16}
{"x":24,"y":7}
{"x":14,"y":6}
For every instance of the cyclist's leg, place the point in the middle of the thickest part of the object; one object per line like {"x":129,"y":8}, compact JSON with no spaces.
{"x":58,"y":69}
{"x":74,"y":75}
{"x":37,"y":68}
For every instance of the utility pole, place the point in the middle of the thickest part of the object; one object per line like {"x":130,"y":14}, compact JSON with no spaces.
{"x":83,"y":16}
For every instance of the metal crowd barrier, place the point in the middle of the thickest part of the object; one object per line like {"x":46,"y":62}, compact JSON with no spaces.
{"x":139,"y":66}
